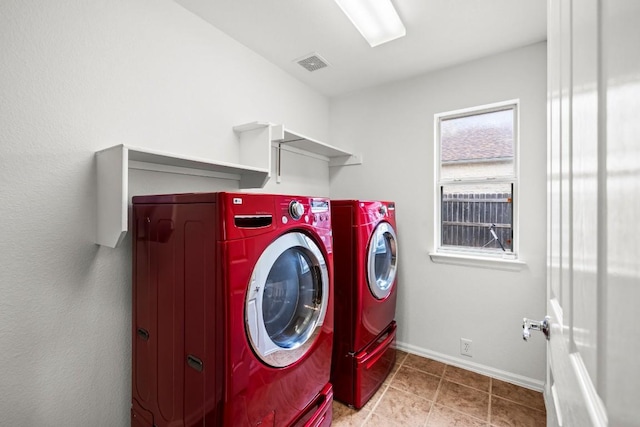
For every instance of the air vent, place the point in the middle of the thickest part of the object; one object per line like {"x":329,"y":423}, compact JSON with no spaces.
{"x":312,"y":62}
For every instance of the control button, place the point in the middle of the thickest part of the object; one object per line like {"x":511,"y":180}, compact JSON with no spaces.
{"x":306,"y":218}
{"x":383,"y":210}
{"x":285,"y":219}
{"x":296,"y":209}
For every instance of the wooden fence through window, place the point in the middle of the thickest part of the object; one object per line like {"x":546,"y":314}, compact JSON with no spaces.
{"x":467,"y":218}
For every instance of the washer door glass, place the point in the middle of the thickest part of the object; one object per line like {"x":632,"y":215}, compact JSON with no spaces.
{"x":382,"y":260}
{"x":287,"y":299}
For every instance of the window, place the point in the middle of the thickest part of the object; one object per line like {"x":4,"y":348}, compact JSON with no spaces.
{"x":476,"y":180}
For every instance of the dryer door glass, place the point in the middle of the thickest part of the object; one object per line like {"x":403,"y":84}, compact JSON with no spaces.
{"x":287,"y":299}
{"x":382,"y":260}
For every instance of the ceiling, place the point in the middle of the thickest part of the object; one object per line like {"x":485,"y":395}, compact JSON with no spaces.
{"x":440,"y":33}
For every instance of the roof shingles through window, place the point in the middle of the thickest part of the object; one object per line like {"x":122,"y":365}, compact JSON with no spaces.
{"x":487,"y":136}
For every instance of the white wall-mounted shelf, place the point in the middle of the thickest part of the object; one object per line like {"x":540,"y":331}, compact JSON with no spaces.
{"x":256,"y":139}
{"x":336,"y":156}
{"x":255,"y":147}
{"x":252,"y":134}
{"x":113,"y":166}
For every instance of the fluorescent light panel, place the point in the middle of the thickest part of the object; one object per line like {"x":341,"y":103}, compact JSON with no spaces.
{"x":377,"y":20}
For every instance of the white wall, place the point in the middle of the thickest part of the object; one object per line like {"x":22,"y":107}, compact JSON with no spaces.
{"x":392,"y":126}
{"x":77,"y":77}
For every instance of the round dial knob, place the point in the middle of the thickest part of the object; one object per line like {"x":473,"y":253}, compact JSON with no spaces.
{"x":296,"y":209}
{"x":383,"y":210}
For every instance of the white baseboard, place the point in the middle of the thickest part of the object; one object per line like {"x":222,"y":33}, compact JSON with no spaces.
{"x":509,"y":377}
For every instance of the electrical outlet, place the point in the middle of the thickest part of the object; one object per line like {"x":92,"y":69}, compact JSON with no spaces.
{"x":465,"y":347}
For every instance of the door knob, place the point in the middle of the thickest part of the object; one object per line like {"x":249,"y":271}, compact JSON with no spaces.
{"x":528,"y":325}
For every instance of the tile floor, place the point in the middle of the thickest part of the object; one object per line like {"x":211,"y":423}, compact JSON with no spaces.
{"x":423,"y":392}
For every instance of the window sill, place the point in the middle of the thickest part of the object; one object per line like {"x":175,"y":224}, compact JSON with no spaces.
{"x":478,"y":261}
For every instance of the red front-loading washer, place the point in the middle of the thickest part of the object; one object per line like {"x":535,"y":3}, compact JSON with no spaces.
{"x":366,"y":255}
{"x":232,"y":310}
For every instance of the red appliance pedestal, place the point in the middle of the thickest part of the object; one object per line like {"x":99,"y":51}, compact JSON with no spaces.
{"x":363,"y":373}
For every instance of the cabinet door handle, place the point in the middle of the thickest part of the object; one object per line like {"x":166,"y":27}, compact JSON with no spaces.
{"x":195,"y":363}
{"x":143,"y":333}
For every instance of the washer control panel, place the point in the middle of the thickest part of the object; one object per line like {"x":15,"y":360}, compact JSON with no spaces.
{"x":312,"y":211}
{"x":320,"y":209}
{"x":296,"y":209}
{"x":301,"y":212}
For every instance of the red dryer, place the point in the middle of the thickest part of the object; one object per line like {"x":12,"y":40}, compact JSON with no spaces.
{"x":232,"y":310}
{"x":366,"y":255}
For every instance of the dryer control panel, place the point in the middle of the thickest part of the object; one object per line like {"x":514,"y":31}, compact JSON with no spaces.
{"x":373,"y":211}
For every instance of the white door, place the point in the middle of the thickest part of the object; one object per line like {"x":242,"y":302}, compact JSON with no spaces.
{"x":593,"y":375}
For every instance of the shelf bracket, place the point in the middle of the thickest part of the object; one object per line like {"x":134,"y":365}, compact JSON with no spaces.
{"x":113,"y":189}
{"x":278,"y":162}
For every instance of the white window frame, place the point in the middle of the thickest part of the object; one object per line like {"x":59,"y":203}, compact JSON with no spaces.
{"x":477,"y":256}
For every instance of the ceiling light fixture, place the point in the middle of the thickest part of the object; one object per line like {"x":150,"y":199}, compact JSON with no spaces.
{"x":377,"y":20}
